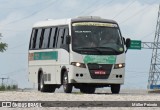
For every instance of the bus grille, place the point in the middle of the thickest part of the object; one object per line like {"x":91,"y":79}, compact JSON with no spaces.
{"x":100,"y":67}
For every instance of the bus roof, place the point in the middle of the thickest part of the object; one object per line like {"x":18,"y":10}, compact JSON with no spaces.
{"x":92,"y":19}
{"x":52,"y":22}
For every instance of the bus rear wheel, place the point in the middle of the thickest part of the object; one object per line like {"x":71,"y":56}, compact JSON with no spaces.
{"x":66,"y":86}
{"x":44,"y":87}
{"x":115,"y":88}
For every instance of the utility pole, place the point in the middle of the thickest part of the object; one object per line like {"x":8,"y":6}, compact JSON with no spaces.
{"x":154,"y":73}
{"x":3,"y":79}
{"x":0,"y":35}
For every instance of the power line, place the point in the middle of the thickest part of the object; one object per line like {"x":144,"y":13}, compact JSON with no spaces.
{"x":14,"y":30}
{"x":34,"y":13}
{"x":100,"y":6}
{"x":135,"y":14}
{"x":89,"y":7}
{"x":147,"y":35}
{"x":16,"y":71}
{"x":17,"y":46}
{"x":29,"y":6}
{"x":124,"y":9}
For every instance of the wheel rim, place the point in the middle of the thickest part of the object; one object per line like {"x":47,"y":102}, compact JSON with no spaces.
{"x":41,"y":83}
{"x":65,"y":81}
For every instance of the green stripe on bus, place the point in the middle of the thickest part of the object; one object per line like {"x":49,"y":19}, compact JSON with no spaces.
{"x":105,"y":59}
{"x":46,"y":55}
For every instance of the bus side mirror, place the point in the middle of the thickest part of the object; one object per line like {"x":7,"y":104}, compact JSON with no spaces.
{"x":68,"y":39}
{"x":128,"y":42}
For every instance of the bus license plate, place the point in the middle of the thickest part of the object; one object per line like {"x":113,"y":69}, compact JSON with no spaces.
{"x":100,"y":72}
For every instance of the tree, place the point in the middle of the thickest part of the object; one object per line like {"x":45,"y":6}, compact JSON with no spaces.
{"x":3,"y":47}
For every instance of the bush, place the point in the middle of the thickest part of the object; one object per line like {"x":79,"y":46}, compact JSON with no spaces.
{"x":8,"y":87}
{"x":2,"y":88}
{"x":14,"y":87}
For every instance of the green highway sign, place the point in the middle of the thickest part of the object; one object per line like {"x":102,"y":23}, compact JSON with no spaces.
{"x":135,"y":44}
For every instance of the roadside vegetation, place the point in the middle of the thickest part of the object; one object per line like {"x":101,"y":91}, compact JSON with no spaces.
{"x":8,"y":87}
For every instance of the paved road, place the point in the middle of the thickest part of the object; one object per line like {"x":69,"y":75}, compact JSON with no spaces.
{"x":100,"y":95}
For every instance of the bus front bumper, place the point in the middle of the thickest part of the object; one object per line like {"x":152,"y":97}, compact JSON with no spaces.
{"x":82,"y":75}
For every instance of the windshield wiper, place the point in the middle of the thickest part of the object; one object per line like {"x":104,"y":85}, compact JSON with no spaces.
{"x":93,"y":48}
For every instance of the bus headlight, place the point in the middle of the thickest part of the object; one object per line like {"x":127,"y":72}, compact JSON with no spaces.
{"x":82,"y":65}
{"x":120,"y":65}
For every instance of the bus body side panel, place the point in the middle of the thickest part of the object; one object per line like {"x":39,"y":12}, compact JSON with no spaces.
{"x":48,"y":72}
{"x":44,"y":60}
{"x":50,"y":62}
{"x":63,"y":61}
{"x":33,"y":75}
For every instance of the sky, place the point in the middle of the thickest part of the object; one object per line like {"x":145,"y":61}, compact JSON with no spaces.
{"x":136,"y":18}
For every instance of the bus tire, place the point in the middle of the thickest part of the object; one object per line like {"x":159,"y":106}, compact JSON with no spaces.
{"x":88,"y":90}
{"x":66,"y":86}
{"x":115,"y":88}
{"x":44,"y":87}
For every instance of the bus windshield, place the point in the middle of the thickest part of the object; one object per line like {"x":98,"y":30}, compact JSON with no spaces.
{"x":99,"y":38}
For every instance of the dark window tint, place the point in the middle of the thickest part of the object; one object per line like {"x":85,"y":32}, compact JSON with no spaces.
{"x":52,"y":38}
{"x":38,"y":38}
{"x":46,"y":38}
{"x":65,"y":34}
{"x":34,"y":38}
{"x":60,"y":37}
{"x":41,"y":38}
{"x":31,"y":40}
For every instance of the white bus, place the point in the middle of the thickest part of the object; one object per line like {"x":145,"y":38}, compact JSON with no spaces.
{"x":83,"y":52}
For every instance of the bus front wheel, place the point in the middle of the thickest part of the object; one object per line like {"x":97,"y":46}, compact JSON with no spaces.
{"x":66,"y":86}
{"x":115,"y":88}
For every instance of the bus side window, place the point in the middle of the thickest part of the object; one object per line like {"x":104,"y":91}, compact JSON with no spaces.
{"x":41,"y":38}
{"x":60,"y":37}
{"x":65,"y":34}
{"x":31,"y":39}
{"x":38,"y":39}
{"x":52,"y":39}
{"x":34,"y":39}
{"x":46,"y":38}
